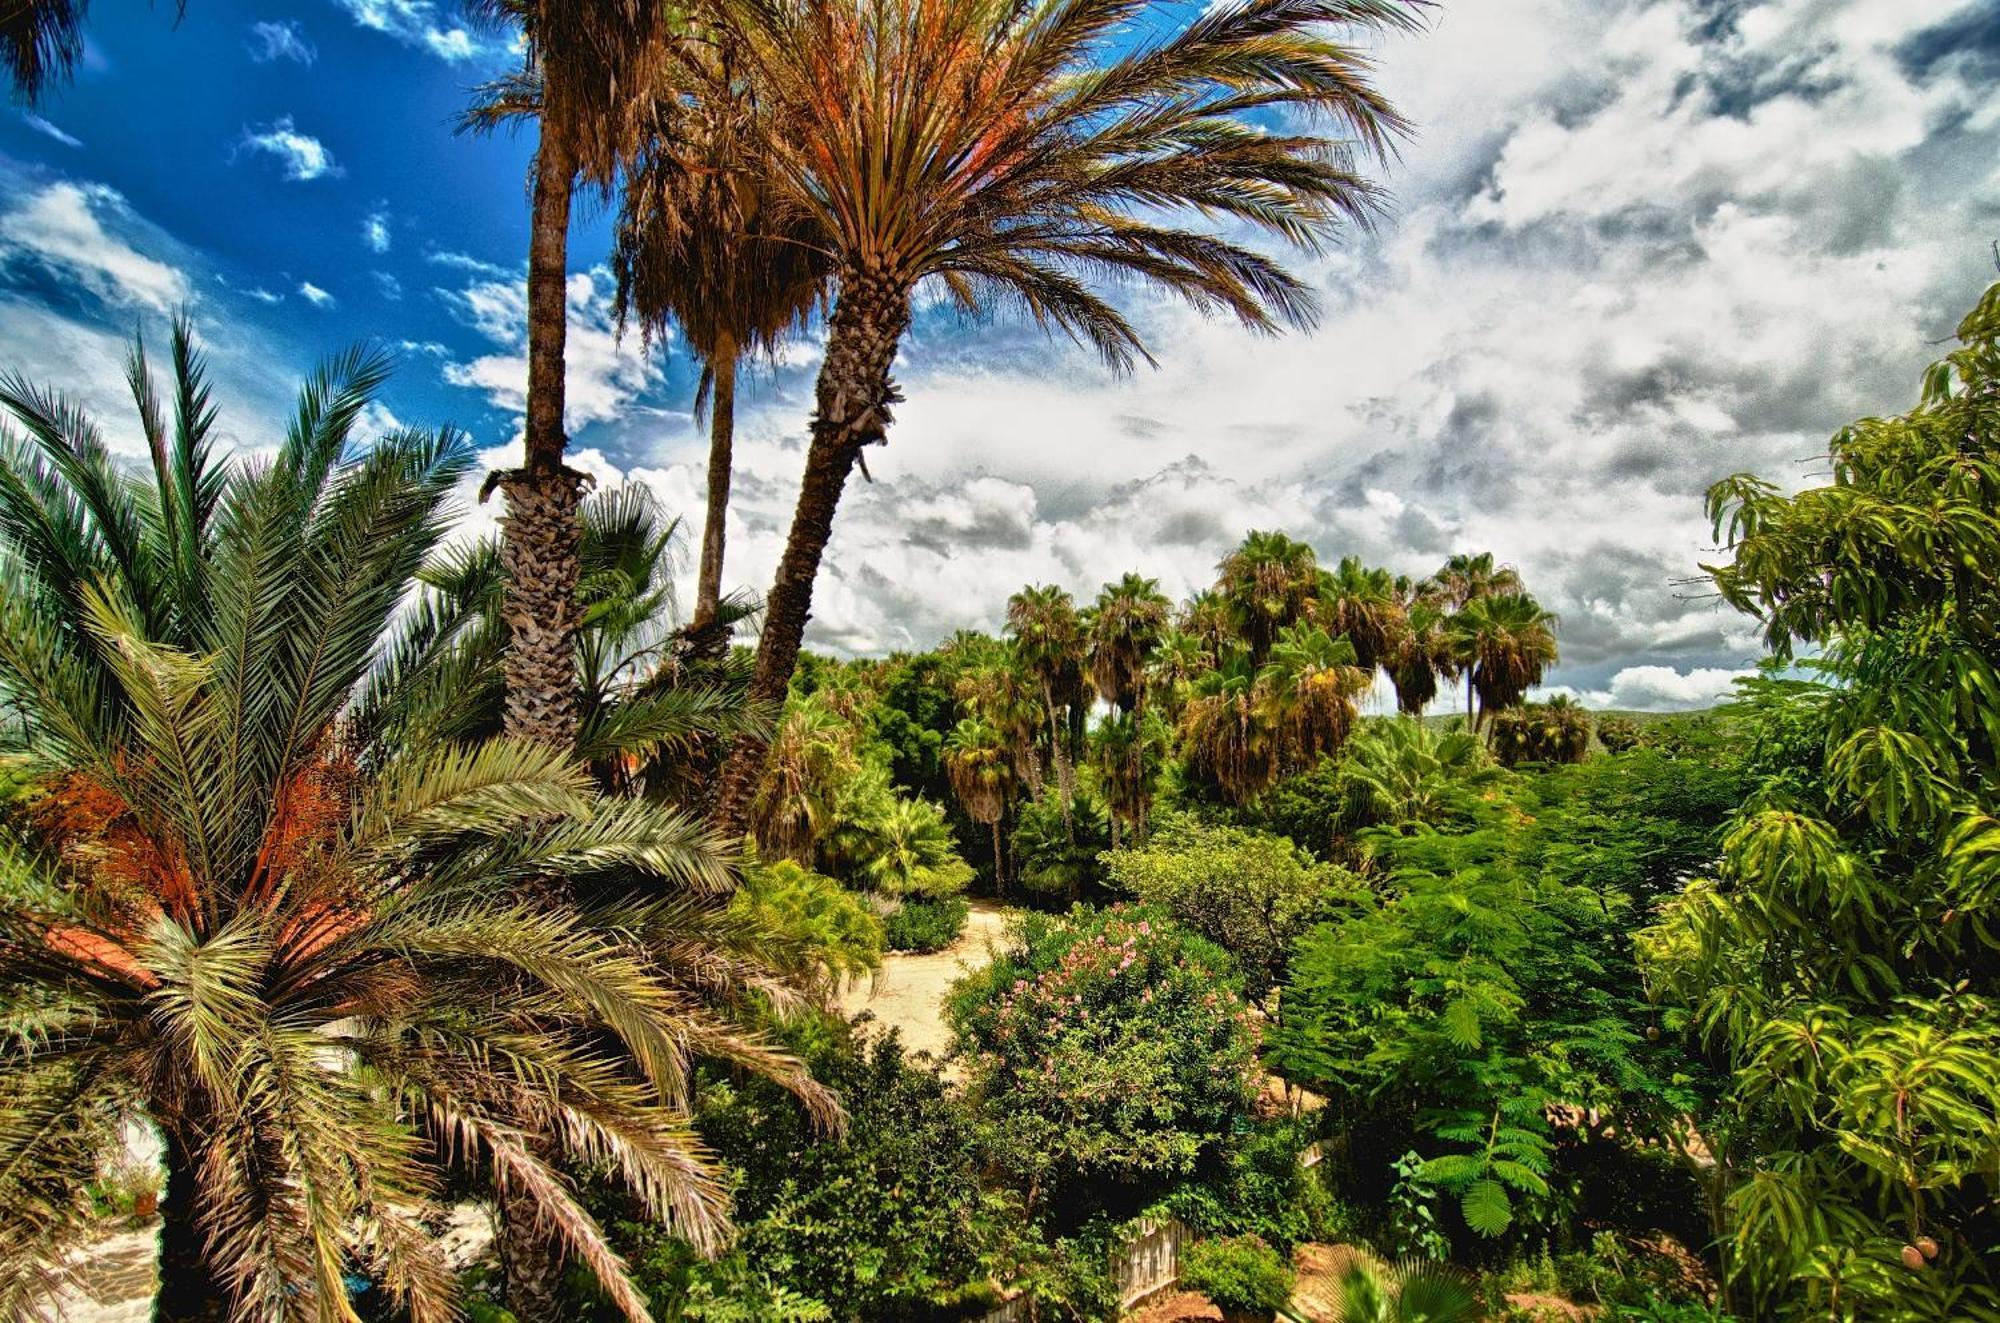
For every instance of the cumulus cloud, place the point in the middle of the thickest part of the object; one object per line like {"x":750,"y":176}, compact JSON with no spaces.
{"x":77,"y":231}
{"x":280,"y":40}
{"x":314,"y":295}
{"x":1659,"y":689}
{"x":418,"y":23}
{"x":606,"y":378}
{"x":302,"y":156}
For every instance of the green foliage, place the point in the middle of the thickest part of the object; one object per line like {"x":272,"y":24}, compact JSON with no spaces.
{"x":1241,"y":1275}
{"x":1557,"y":731}
{"x":923,"y":926}
{"x":886,"y":1222}
{"x":1409,"y":1291}
{"x":1618,"y":734}
{"x":828,"y":934}
{"x":1108,"y":1051}
{"x":1249,"y":893}
{"x":1056,"y":857}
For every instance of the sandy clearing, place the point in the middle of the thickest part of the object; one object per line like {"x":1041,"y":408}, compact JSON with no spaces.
{"x":907,"y":993}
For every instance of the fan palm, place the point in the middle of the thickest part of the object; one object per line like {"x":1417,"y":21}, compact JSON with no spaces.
{"x":1268,"y":584}
{"x":997,"y":690}
{"x":997,"y":150}
{"x":697,"y":247}
{"x":1123,"y":743}
{"x":1504,"y":642}
{"x":584,"y":64}
{"x":1467,"y":577}
{"x":812,"y":759}
{"x":1225,"y":733}
{"x":979,"y":763}
{"x":1404,"y":771}
{"x":1126,"y":624}
{"x":1419,"y":653}
{"x":1362,"y":604}
{"x":313,"y":980}
{"x":1307,"y":693}
{"x":1178,"y":659}
{"x":1557,"y":731}
{"x":1049,"y":646}
{"x":1411,"y":1291}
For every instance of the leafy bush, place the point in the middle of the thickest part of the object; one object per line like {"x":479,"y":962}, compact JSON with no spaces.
{"x":819,"y":930}
{"x":1053,"y":860}
{"x":1250,"y":893}
{"x":1109,"y":1051}
{"x":1617,"y":734}
{"x":1241,"y":1275}
{"x":923,"y":926}
{"x":1557,"y":731}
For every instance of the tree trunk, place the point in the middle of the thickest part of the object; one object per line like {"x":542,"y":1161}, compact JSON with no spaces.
{"x":1061,"y":762}
{"x":721,"y":440}
{"x":853,"y":399}
{"x":530,"y":1261}
{"x":999,"y":868}
{"x":189,"y":1289}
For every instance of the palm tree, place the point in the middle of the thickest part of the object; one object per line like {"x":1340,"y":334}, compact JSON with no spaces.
{"x":1122,"y":774}
{"x":1306,"y":694}
{"x":697,"y":247}
{"x":1411,"y":1291}
{"x":1505,"y":642}
{"x":40,"y":43}
{"x":998,"y":691}
{"x":1402,"y":770}
{"x":1127,"y":623}
{"x":583,"y":64}
{"x":1048,"y":643}
{"x":1557,"y":731}
{"x":1225,"y":733}
{"x":1419,"y":653}
{"x":812,"y":759}
{"x":1465,"y":579}
{"x":1362,"y":604}
{"x":1179,"y":658}
{"x":979,"y":763}
{"x":998,"y":151}
{"x":1268,"y":584}
{"x":303,"y":956}
{"x":1204,"y":617}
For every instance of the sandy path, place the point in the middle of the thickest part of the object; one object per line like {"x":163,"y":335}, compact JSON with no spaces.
{"x":908,"y":992}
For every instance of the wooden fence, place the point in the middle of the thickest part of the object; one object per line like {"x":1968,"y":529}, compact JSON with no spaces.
{"x":1148,"y":1261}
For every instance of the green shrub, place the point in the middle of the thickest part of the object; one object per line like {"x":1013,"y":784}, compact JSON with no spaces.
{"x":923,"y":926}
{"x":1241,"y":1275}
{"x":1617,"y":734}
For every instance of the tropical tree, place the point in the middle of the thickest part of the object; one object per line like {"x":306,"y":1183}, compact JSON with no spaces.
{"x":1363,"y":604}
{"x":1504,"y":643}
{"x":980,"y":763}
{"x":1127,"y":622}
{"x":581,"y":64}
{"x":1557,"y":731}
{"x":813,"y":759}
{"x":1225,"y":736}
{"x":1404,"y":771}
{"x":1409,"y":1291}
{"x":1048,"y":644}
{"x":1420,"y":652}
{"x":314,"y":980}
{"x":1306,"y":693}
{"x":1004,"y":152}
{"x":1267,"y":585}
{"x":1179,"y":658}
{"x":1469,"y":576}
{"x":698,"y":248}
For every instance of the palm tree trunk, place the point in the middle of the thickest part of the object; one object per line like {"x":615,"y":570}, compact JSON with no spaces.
{"x":721,"y":440}
{"x":999,"y":868}
{"x":540,"y":533}
{"x":1060,"y":760}
{"x":189,"y":1290}
{"x":853,"y":399}
{"x":1468,"y":699}
{"x":530,"y":1261}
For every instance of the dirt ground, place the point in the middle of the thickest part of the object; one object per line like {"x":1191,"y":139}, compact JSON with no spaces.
{"x":907,"y":993}
{"x":1313,"y":1294}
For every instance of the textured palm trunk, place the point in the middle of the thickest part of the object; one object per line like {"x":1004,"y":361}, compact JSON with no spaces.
{"x":189,"y":1290}
{"x":999,"y":868}
{"x":721,"y":441}
{"x":1064,"y":790}
{"x":539,"y":552}
{"x":852,"y":403}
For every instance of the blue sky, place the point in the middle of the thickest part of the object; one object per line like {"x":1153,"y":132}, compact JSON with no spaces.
{"x":1637,"y":245}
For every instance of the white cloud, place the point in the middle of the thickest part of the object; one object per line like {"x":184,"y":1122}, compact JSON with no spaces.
{"x":48,"y":130}
{"x":314,"y":295}
{"x":304,"y":157}
{"x":391,"y":288}
{"x":605,"y":377}
{"x":375,"y":230}
{"x":62,"y":227}
{"x":280,"y":40}
{"x":263,"y":295}
{"x":418,"y":23}
{"x":1658,"y":689}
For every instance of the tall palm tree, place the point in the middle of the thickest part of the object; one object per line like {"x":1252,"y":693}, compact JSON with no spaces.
{"x":1126,"y":624}
{"x":1505,"y":642}
{"x":1205,"y":618}
{"x":1306,"y":693}
{"x":698,"y":248}
{"x":585,"y":64}
{"x":1464,"y":579}
{"x":980,"y":765}
{"x":1419,"y":653}
{"x":1267,"y":584}
{"x":1225,"y":731}
{"x":999,"y":151}
{"x":1122,"y":772}
{"x":1179,"y":658}
{"x":1049,"y":645}
{"x":301,"y":955}
{"x":1362,"y":604}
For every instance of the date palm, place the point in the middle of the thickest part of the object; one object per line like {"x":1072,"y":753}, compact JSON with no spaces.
{"x":302,"y":956}
{"x":698,"y":248}
{"x":40,"y":43}
{"x":1000,"y":151}
{"x":1504,"y":642}
{"x":584,"y":63}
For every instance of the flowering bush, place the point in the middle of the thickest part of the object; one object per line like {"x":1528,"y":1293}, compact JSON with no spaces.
{"x":1106,"y":1047}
